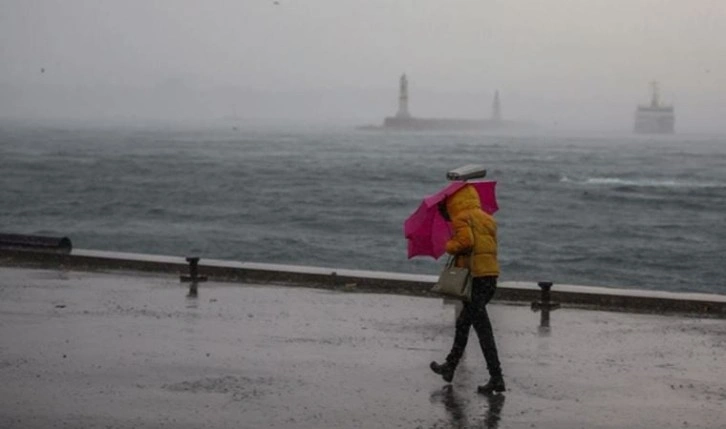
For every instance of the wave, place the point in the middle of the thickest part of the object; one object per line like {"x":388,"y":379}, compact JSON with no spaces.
{"x":643,"y":183}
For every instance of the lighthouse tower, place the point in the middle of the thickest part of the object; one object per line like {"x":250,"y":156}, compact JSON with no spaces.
{"x":403,"y":98}
{"x":496,"y":108}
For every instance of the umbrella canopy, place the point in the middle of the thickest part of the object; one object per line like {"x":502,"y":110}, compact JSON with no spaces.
{"x":427,"y":231}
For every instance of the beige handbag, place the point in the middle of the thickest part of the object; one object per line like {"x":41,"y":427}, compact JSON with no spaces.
{"x":454,"y":282}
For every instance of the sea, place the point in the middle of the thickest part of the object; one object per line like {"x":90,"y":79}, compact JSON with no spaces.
{"x":612,"y":210}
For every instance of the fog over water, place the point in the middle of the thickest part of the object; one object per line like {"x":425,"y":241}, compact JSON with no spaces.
{"x":565,"y":64}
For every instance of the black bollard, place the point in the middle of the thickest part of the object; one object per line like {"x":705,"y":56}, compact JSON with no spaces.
{"x":545,"y":304}
{"x":546,"y":287}
{"x":193,"y":276}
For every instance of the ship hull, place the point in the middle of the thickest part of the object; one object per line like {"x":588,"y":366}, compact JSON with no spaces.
{"x":654,"y":121}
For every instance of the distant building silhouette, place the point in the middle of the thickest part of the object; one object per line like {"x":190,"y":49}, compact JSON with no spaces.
{"x":405,"y":121}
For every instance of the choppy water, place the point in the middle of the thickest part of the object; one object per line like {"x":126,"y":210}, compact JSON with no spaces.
{"x":615,"y":211}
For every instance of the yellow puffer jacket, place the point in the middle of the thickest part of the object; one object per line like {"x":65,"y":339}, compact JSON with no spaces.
{"x":472,"y":226}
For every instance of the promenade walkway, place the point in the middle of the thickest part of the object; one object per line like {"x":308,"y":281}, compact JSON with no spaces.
{"x":133,"y":351}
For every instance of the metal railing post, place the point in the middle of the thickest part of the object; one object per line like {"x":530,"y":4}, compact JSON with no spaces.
{"x":545,"y":304}
{"x":194,"y":278}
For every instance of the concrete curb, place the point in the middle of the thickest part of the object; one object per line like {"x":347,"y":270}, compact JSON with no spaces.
{"x":629,"y":300}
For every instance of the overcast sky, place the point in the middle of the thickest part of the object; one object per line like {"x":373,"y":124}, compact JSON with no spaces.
{"x":565,"y":56}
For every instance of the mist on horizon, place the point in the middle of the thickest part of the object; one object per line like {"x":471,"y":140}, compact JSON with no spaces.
{"x":563,"y":64}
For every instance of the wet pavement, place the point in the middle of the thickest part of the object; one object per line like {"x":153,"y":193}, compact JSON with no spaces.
{"x":133,"y":351}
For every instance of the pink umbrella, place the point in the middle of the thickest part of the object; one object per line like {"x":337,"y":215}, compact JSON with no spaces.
{"x":427,"y":232}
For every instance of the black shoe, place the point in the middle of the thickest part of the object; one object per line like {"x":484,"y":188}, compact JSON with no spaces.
{"x":495,"y":384}
{"x":446,"y":371}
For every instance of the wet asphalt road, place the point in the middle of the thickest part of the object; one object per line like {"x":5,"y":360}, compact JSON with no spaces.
{"x":132,"y":351}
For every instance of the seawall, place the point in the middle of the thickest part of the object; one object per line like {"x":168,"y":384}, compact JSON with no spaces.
{"x":611,"y":299}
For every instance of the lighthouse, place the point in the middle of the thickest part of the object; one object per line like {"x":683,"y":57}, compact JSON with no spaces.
{"x":403,"y":98}
{"x":496,"y":108}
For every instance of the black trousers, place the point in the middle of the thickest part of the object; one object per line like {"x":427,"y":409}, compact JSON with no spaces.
{"x":475,"y":314}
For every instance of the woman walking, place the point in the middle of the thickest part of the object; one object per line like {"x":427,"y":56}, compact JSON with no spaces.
{"x":475,"y":237}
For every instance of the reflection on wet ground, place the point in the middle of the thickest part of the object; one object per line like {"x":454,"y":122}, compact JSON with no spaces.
{"x":133,"y":351}
{"x":462,"y":414}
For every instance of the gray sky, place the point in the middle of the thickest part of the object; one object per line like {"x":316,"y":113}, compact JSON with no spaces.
{"x":566,"y":62}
